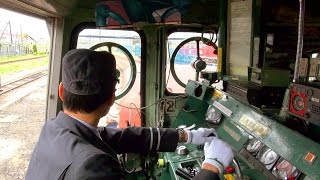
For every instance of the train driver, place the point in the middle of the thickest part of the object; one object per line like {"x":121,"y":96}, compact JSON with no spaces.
{"x":71,"y":146}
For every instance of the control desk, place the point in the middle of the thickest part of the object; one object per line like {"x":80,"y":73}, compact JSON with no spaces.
{"x":263,"y":147}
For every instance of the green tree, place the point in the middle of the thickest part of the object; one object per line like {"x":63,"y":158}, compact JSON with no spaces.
{"x":34,"y":48}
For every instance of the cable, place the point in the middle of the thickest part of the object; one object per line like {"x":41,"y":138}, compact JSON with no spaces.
{"x":140,"y":107}
{"x":161,"y":99}
{"x":209,"y":29}
{"x":123,"y":164}
{"x":145,"y":107}
{"x":138,"y":112}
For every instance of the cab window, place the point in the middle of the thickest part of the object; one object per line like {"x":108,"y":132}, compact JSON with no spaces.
{"x":182,"y":51}
{"x":126,"y":47}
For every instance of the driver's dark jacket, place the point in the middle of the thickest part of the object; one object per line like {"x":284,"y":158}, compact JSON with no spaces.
{"x":69,"y":150}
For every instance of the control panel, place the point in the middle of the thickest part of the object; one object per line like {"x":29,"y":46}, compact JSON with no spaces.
{"x":276,"y":166}
{"x":184,"y":163}
{"x":263,"y":147}
{"x":305,"y":103}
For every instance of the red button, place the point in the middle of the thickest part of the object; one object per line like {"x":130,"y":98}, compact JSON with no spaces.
{"x":291,"y":178}
{"x":229,"y":169}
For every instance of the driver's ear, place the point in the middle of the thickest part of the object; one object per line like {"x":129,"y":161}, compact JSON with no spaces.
{"x":61,"y":91}
{"x":113,"y":98}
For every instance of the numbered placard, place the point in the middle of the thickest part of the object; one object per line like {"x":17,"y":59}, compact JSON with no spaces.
{"x":170,"y":106}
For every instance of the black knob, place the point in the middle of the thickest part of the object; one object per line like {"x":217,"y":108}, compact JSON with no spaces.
{"x":307,"y":115}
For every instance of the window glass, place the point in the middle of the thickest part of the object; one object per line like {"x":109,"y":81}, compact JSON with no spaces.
{"x":184,"y":57}
{"x":24,"y":61}
{"x":126,"y":47}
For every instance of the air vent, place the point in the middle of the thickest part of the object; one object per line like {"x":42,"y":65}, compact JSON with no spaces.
{"x":315,"y":109}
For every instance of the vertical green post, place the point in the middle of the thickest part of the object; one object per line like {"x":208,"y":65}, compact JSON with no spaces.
{"x":222,"y":41}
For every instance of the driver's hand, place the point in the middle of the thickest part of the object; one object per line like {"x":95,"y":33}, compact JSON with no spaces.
{"x":201,"y":136}
{"x":218,"y":154}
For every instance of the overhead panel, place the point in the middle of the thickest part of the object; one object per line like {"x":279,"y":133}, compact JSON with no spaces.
{"x":137,"y":13}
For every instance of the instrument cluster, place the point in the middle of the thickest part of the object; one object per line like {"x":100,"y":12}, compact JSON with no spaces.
{"x":280,"y":168}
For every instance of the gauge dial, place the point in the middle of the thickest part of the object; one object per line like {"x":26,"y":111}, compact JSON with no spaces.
{"x":284,"y":170}
{"x":298,"y":103}
{"x":254,"y":146}
{"x":213,"y":115}
{"x":267,"y":157}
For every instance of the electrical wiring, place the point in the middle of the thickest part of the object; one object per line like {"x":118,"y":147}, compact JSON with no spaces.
{"x":140,"y":107}
{"x":155,"y":103}
{"x":210,"y":30}
{"x":138,"y":112}
{"x":145,"y":107}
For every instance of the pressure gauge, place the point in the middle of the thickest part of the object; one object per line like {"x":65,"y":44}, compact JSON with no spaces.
{"x":213,"y":115}
{"x":254,"y":146}
{"x":285,"y":170}
{"x":298,"y":103}
{"x":267,"y":157}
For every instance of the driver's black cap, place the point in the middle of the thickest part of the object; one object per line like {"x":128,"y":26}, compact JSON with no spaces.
{"x":88,"y":72}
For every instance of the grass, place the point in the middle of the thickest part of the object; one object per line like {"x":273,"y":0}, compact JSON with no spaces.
{"x":12,"y":58}
{"x":19,"y":66}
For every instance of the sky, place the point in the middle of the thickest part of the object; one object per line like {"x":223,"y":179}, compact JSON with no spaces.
{"x":34,"y":27}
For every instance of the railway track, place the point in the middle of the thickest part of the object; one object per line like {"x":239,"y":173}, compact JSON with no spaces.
{"x":20,"y":82}
{"x":21,"y":60}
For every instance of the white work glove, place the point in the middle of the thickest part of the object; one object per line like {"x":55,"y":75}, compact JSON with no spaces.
{"x":201,"y":136}
{"x":218,"y":154}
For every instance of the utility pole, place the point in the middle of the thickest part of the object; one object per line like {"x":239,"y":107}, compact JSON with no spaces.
{"x":4,"y":29}
{"x":21,"y":35}
{"x":10,"y":32}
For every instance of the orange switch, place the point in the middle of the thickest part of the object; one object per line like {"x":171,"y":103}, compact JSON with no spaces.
{"x":310,"y":157}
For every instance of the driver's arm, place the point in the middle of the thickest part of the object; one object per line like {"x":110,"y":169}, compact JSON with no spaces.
{"x":145,"y":139}
{"x":140,"y":139}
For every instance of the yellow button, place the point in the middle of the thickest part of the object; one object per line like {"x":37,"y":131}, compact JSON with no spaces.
{"x":161,"y":162}
{"x":228,"y":177}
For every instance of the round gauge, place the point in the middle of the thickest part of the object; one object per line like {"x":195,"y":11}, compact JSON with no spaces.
{"x":213,"y":115}
{"x":267,"y":157}
{"x":254,"y":146}
{"x":284,"y":170}
{"x":298,"y":103}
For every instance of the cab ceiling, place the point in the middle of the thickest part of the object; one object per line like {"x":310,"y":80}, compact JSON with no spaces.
{"x":192,"y":11}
